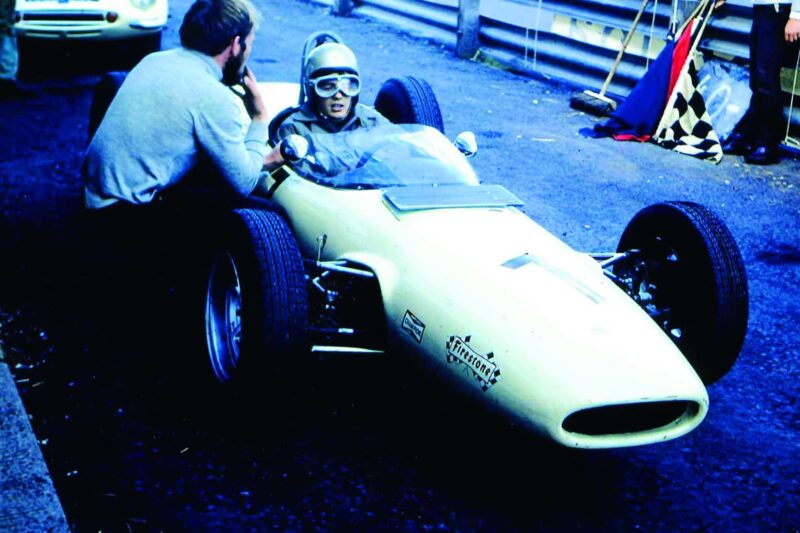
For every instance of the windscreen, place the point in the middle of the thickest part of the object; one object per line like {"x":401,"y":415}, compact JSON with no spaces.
{"x":385,"y":156}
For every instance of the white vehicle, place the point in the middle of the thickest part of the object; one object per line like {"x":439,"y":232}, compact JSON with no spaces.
{"x":390,"y":243}
{"x":139,"y":21}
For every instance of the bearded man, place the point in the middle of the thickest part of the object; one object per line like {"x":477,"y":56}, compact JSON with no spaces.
{"x":172,"y":154}
{"x":176,"y":111}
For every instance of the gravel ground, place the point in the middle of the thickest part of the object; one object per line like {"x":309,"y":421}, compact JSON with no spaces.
{"x":132,"y":445}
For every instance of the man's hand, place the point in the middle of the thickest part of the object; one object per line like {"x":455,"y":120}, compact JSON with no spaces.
{"x":252,"y":98}
{"x":792,"y":30}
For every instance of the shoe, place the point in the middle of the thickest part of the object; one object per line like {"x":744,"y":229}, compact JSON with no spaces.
{"x":737,"y":144}
{"x":763,"y":155}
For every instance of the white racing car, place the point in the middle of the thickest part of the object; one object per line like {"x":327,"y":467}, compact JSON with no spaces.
{"x":390,"y":243}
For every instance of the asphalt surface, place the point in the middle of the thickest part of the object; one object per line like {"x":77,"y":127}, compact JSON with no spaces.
{"x":132,"y":443}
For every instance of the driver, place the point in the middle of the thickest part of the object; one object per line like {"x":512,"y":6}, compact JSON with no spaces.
{"x":331,"y":83}
{"x":175,"y":114}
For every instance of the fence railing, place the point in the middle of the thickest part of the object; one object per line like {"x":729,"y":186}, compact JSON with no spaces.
{"x":573,"y":41}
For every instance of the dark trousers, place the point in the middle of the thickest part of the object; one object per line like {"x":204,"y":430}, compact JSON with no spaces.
{"x":149,"y":264}
{"x":144,"y":272}
{"x":764,"y":123}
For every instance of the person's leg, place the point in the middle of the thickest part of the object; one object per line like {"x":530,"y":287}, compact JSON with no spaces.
{"x":741,"y":142}
{"x":124,"y":271}
{"x":190,"y":217}
{"x":766,"y":107}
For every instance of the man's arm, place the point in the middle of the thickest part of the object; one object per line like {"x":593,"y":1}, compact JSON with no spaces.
{"x":792,"y":31}
{"x":274,"y":158}
{"x":219,"y":128}
{"x":238,"y":158}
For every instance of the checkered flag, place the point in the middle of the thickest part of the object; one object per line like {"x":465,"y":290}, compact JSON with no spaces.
{"x":686,"y":125}
{"x":482,"y":367}
{"x":494,"y":378}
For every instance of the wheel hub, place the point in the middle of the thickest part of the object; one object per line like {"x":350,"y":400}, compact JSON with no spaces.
{"x":224,"y":317}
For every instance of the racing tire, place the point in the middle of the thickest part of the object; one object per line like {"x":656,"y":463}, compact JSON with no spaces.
{"x":104,"y":93}
{"x":409,"y":100}
{"x":697,"y":281}
{"x":256,"y":305}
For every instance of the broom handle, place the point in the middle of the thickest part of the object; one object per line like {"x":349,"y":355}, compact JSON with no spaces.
{"x":791,"y":100}
{"x":696,"y":11}
{"x":622,"y":49}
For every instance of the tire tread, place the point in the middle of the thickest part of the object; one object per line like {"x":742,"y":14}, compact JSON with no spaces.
{"x":277,"y":271}
{"x":718,"y":332}
{"x":730,"y":276}
{"x":409,"y":100}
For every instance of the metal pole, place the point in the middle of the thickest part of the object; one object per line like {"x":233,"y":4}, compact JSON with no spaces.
{"x":467,"y":34}
{"x":343,"y":8}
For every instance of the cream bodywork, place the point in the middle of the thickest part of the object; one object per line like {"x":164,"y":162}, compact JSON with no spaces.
{"x":132,"y":22}
{"x":498,"y":297}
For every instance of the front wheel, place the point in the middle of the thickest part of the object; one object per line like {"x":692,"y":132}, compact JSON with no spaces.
{"x":409,"y":100}
{"x":257,"y":301}
{"x":686,"y":271}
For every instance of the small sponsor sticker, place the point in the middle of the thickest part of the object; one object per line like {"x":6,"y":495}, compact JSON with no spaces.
{"x":413,"y":325}
{"x":482,"y":367}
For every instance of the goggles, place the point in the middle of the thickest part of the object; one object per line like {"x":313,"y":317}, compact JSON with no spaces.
{"x":327,"y":86}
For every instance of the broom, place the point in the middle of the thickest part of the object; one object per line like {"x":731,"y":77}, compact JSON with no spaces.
{"x":598,"y":103}
{"x":791,"y":144}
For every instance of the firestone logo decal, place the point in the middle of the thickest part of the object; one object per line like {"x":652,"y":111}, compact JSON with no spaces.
{"x":482,"y":367}
{"x":413,"y":325}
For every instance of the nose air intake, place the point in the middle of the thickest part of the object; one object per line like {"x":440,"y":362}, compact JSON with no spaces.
{"x":628,"y":418}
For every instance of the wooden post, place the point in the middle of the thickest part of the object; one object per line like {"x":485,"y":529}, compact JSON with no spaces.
{"x":467,"y":38}
{"x":343,"y":8}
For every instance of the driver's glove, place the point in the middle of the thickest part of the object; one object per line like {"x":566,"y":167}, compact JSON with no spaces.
{"x":294,"y":148}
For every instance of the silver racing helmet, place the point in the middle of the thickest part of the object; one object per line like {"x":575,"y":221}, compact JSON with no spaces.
{"x":335,"y":61}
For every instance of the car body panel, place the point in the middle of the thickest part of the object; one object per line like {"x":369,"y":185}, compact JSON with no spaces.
{"x":88,"y":19}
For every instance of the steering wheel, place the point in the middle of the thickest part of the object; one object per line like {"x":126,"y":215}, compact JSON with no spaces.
{"x":370,"y":153}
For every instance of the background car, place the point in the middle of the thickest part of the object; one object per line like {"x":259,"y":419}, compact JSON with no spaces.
{"x":135,"y":24}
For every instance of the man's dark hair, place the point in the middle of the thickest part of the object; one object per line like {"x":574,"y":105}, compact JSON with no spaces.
{"x":210,"y":25}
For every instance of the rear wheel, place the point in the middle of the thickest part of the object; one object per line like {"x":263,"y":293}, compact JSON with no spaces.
{"x":687,"y":272}
{"x":409,"y":100}
{"x":257,"y":301}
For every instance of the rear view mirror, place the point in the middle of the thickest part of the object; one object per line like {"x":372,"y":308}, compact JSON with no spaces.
{"x":466,"y":143}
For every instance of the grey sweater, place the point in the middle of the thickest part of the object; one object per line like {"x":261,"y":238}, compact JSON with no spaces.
{"x":171,"y":108}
